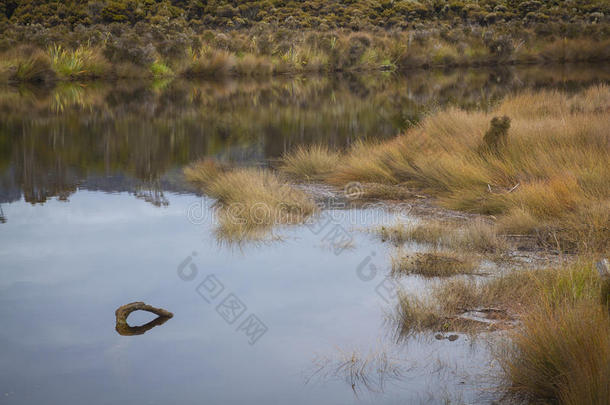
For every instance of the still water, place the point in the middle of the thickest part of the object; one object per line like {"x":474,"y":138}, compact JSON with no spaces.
{"x":95,"y":214}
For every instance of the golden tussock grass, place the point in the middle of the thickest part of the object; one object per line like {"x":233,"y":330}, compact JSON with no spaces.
{"x":477,"y":235}
{"x":514,"y":293}
{"x":253,"y":65}
{"x":550,"y":178}
{"x":433,"y":264}
{"x":310,"y":163}
{"x":210,"y":63}
{"x":561,"y":354}
{"x":250,"y":201}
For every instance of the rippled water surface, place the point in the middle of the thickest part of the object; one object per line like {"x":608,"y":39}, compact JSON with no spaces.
{"x":94,"y":215}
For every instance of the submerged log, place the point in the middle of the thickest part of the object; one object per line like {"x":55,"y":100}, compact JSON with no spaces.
{"x":123,"y":328}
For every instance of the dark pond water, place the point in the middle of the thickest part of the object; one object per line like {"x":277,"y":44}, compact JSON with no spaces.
{"x":95,"y":214}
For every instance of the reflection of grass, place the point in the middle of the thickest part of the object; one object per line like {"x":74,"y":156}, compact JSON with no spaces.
{"x":433,"y":264}
{"x":251,"y":201}
{"x":361,"y":371}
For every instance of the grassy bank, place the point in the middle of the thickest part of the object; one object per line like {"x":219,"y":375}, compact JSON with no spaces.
{"x":542,"y":172}
{"x":246,"y":54}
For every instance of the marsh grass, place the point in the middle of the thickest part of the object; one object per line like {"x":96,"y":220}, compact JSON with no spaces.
{"x":561,"y":354}
{"x":310,"y":163}
{"x":478,"y":235}
{"x":82,"y":62}
{"x":29,"y":65}
{"x":433,"y":264}
{"x":511,"y":295}
{"x":549,"y":179}
{"x":253,"y":65}
{"x":558,"y":352}
{"x":210,"y":63}
{"x":414,"y":315}
{"x":250,"y":201}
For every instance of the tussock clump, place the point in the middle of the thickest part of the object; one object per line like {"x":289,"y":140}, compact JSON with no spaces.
{"x":311,"y":163}
{"x":363,"y":164}
{"x":82,"y":62}
{"x":561,"y":354}
{"x":250,"y":201}
{"x":211,"y":63}
{"x":432,"y":232}
{"x":204,"y":172}
{"x":433,"y":264}
{"x":253,"y":65}
{"x":35,"y":67}
{"x":413,"y":315}
{"x":477,"y":236}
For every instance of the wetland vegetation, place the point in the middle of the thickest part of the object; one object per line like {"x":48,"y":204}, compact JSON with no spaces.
{"x":534,"y":166}
{"x":488,"y":119}
{"x":46,"y":41}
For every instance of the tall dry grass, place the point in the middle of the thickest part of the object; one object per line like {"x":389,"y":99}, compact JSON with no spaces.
{"x":433,"y":264}
{"x":477,"y":235}
{"x":250,"y":201}
{"x":210,"y":63}
{"x":310,"y":163}
{"x":550,"y":179}
{"x":561,"y":354}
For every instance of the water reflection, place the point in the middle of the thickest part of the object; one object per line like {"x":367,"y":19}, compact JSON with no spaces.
{"x":124,"y":329}
{"x":135,"y":137}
